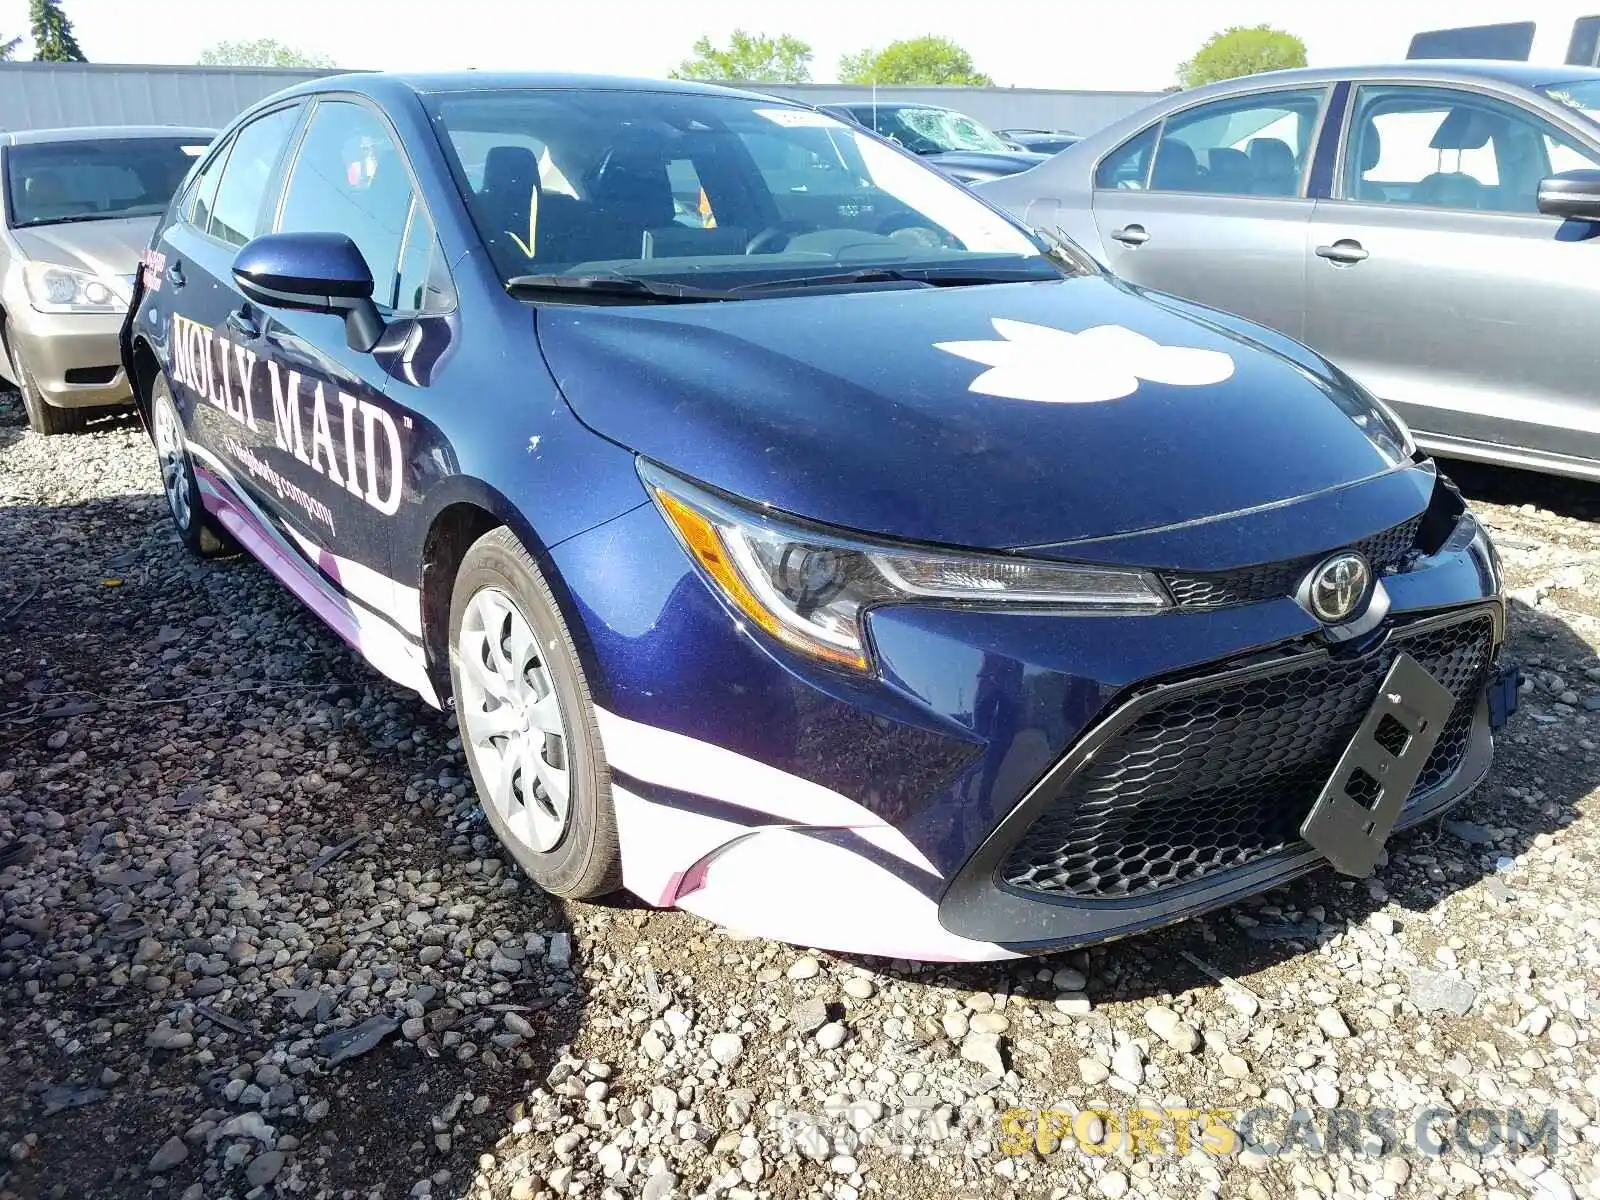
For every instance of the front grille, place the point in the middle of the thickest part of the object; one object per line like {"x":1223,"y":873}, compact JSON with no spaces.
{"x":1219,"y":776}
{"x":1247,"y":585}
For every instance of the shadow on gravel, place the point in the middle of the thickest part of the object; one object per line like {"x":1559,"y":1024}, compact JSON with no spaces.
{"x":231,"y":856}
{"x":1505,"y":485}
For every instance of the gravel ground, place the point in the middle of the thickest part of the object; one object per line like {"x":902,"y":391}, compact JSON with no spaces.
{"x":255,"y":940}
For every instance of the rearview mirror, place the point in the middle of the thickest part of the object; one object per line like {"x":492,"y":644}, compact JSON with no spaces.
{"x":312,"y":272}
{"x":1571,"y":194}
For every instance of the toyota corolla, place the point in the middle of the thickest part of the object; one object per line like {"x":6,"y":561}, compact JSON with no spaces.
{"x":796,"y":539}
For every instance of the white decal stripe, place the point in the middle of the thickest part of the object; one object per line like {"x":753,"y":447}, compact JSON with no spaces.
{"x":673,"y":760}
{"x":371,"y":587}
{"x":782,"y":884}
{"x":404,"y":604}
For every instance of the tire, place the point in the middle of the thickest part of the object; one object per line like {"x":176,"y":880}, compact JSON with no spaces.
{"x":44,"y":418}
{"x":513,"y":684}
{"x":202,"y":535}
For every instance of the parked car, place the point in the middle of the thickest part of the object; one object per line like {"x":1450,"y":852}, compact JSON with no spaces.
{"x":1430,"y":227}
{"x":1041,"y":141}
{"x":856,"y":568}
{"x":952,"y":141}
{"x":80,"y":206}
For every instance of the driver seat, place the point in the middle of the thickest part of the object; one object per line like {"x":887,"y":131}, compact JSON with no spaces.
{"x":630,"y":193}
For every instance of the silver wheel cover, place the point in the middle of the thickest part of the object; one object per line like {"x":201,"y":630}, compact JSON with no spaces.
{"x":511,"y":714}
{"x":172,"y":454}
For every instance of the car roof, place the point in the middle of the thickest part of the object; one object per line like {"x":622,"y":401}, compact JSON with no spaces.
{"x":382,"y":85}
{"x":1424,"y":70}
{"x":93,"y":133}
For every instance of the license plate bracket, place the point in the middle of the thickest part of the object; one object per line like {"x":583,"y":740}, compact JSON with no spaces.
{"x":1363,"y":798}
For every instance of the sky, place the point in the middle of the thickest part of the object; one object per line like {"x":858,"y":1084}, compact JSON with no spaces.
{"x":1117,"y":45}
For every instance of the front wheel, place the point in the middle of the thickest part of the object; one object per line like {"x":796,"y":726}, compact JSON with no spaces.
{"x":44,"y":418}
{"x":202,"y":535}
{"x":528,"y":724}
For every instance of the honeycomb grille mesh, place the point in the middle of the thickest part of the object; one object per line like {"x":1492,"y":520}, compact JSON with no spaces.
{"x":1247,"y":585}
{"x":1218,"y":778}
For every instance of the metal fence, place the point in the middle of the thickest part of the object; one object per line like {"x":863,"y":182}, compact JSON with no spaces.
{"x":58,"y":95}
{"x":63,"y":95}
{"x":998,"y":108}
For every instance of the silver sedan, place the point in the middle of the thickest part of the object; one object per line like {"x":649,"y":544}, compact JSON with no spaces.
{"x":1432,"y":228}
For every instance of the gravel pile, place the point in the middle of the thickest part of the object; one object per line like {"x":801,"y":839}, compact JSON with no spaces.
{"x":255,"y":940}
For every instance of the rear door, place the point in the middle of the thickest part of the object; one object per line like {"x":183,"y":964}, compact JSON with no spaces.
{"x":1211,"y":203}
{"x":1437,"y":283}
{"x":225,"y":206}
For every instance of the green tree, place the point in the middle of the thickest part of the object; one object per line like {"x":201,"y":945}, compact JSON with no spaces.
{"x":53,"y":39}
{"x":749,"y":58}
{"x":263,"y":52}
{"x":929,"y":59}
{"x":1242,"y":50}
{"x":9,"y":48}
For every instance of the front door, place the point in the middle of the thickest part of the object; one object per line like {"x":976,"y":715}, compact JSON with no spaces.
{"x":1436,"y":282}
{"x":1211,"y":204}
{"x":334,"y":442}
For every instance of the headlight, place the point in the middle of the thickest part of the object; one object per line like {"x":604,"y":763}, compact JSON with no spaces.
{"x":55,"y":289}
{"x":1398,"y":429}
{"x":1381,"y":424}
{"x":809,"y":587}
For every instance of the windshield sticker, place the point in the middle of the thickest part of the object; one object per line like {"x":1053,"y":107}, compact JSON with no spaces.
{"x":1567,"y":98}
{"x":797,"y":118}
{"x":1106,"y":362}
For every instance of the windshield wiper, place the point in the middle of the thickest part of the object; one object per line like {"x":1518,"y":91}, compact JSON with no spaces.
{"x":927,"y":276}
{"x":77,"y":218}
{"x":615,"y":285}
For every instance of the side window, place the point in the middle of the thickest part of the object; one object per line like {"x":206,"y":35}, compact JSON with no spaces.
{"x":1128,"y":166}
{"x":348,"y":177}
{"x":235,"y":213}
{"x":423,"y":283}
{"x":197,"y":208}
{"x":1244,"y":146}
{"x":1439,"y":148}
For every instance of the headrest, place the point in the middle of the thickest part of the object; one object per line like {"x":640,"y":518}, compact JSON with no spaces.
{"x":1465,"y":129}
{"x":510,"y":169}
{"x":46,"y":188}
{"x":1371,"y":148}
{"x":1271,"y":156}
{"x":1176,"y":165}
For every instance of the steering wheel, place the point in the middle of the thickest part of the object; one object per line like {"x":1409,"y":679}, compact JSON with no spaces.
{"x":895,"y":222}
{"x":762,"y":243}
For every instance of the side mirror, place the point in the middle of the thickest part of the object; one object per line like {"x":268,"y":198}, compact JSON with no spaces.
{"x":1571,"y":194}
{"x":312,"y":272}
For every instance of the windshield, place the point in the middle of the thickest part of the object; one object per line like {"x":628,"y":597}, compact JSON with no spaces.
{"x":1582,"y":94}
{"x":931,"y":130}
{"x":713,"y":191}
{"x":99,"y":179}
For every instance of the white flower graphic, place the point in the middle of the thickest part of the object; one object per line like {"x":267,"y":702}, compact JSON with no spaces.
{"x":1106,"y":362}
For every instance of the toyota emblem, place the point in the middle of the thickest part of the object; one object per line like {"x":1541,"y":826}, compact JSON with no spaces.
{"x":1335,"y":588}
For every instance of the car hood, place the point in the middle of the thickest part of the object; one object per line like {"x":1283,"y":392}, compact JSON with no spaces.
{"x":981,"y":416}
{"x":985,"y":162}
{"x":110,"y":247}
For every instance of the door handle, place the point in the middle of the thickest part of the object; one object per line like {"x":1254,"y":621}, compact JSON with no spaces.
{"x":1132,"y":235}
{"x":1345,"y":252}
{"x":244,"y":325}
{"x":175,"y":273}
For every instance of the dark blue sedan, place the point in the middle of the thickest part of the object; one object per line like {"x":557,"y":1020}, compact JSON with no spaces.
{"x":796,"y":539}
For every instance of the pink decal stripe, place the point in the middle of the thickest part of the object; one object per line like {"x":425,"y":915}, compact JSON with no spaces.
{"x":378,"y":642}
